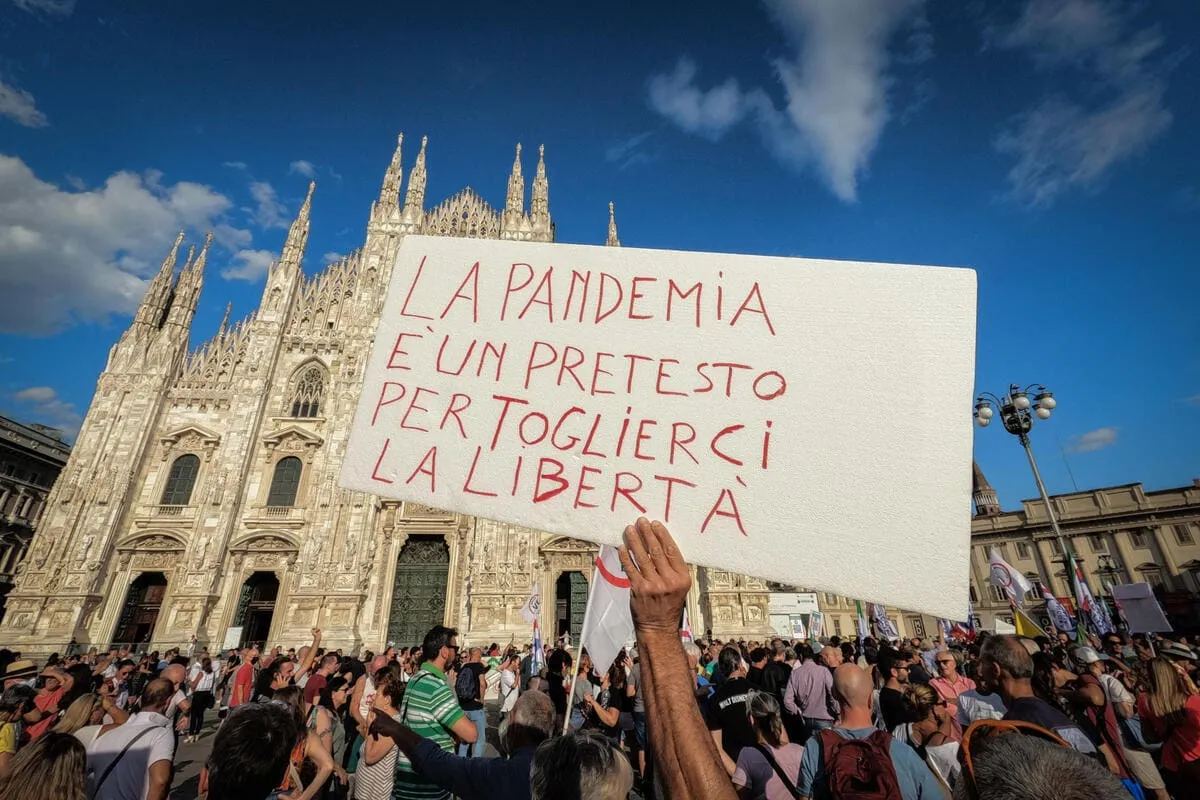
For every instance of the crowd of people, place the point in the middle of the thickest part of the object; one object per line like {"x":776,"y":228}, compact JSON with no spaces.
{"x":997,"y":717}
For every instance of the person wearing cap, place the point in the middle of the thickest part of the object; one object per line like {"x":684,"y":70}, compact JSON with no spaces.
{"x":1140,"y":762}
{"x":19,"y":672}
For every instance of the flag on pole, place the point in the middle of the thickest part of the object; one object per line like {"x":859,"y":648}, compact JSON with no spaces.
{"x":864,"y":630}
{"x":883,"y":625}
{"x":1008,"y":578}
{"x":1086,"y":604}
{"x":532,"y":610}
{"x":607,"y":623}
{"x":1059,"y":616}
{"x":538,"y":655}
{"x":816,"y":626}
{"x":685,"y":628}
{"x":1026,"y":626}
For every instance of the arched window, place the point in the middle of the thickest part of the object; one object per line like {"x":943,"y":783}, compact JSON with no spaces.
{"x":181,"y":480}
{"x":309,"y":391}
{"x":285,"y":482}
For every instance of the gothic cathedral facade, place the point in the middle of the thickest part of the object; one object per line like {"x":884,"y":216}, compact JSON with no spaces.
{"x":201,"y":497}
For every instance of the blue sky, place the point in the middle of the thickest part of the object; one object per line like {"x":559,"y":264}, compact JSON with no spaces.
{"x":1043,"y":142}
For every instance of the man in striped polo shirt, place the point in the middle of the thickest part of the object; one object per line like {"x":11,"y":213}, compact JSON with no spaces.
{"x":431,"y":709}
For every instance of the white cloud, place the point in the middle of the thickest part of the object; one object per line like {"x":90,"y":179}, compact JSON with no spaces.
{"x":269,"y":212}
{"x":835,"y":86}
{"x":19,"y":106}
{"x":68,"y":256}
{"x":42,"y":404}
{"x":239,"y":165}
{"x":1093,"y":440}
{"x":332,"y":256}
{"x":305,"y":168}
{"x":1064,"y":143}
{"x":248,"y":265}
{"x":1194,"y":400}
{"x":60,"y":7}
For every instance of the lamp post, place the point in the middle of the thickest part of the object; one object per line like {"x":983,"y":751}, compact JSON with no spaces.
{"x":1017,"y":412}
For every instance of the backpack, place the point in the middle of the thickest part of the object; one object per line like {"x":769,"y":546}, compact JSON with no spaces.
{"x":466,"y":685}
{"x":859,"y":769}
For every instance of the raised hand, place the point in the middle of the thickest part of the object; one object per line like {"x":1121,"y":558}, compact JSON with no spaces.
{"x":658,"y":577}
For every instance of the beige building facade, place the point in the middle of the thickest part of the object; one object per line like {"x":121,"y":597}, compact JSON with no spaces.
{"x":201,"y":497}
{"x":1119,"y":534}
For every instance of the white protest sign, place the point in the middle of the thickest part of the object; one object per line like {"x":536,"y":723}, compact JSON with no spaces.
{"x":233,"y":638}
{"x":1142,"y":612}
{"x":797,"y":420}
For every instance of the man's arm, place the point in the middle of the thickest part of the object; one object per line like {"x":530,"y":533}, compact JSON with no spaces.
{"x":482,"y":685}
{"x":789,"y":694}
{"x":463,"y":777}
{"x":659,"y":581}
{"x":465,"y":730}
{"x":311,"y":660}
{"x":159,"y":780}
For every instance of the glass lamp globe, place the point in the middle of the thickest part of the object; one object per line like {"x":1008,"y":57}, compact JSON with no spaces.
{"x":1048,"y":402}
{"x":1043,"y":412}
{"x":984,"y":412}
{"x":1021,"y":401}
{"x":983,"y":421}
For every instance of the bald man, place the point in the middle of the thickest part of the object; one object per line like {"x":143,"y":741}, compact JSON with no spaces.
{"x":853,"y":689}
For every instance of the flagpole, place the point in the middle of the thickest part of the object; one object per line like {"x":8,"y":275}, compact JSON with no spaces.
{"x":587,"y":610}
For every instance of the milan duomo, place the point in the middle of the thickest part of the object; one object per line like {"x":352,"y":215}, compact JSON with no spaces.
{"x":201,"y":497}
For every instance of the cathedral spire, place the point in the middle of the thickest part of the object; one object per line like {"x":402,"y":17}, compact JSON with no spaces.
{"x":539,"y":203}
{"x":612,"y":240}
{"x":187,"y":290}
{"x":986,"y":503}
{"x":414,"y":200}
{"x":297,"y":238}
{"x":514,"y":202}
{"x":224,"y":328}
{"x":389,"y":193}
{"x":154,"y":302}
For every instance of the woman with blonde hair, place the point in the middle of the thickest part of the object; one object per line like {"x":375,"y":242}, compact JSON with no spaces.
{"x":771,"y":769}
{"x":85,"y":716}
{"x":52,"y":767}
{"x":932,"y":734}
{"x":1170,"y":712}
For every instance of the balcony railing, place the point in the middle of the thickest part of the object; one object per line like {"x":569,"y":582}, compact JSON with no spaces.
{"x":277,"y":512}
{"x":184,"y":512}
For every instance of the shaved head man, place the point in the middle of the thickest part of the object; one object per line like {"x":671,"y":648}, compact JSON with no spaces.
{"x":853,"y":688}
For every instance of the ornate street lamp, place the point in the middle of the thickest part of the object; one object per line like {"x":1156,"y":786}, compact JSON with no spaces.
{"x":1017,"y":411}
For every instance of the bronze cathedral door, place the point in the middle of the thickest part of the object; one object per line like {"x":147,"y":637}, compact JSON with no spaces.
{"x":419,"y":593}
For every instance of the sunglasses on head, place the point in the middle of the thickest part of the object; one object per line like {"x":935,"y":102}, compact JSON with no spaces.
{"x":976,"y":738}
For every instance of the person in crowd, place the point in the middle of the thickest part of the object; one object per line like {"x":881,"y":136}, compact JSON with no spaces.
{"x":1137,"y":756}
{"x":1170,"y":714}
{"x":583,"y":765}
{"x":325,"y":721}
{"x":272,"y":677}
{"x":728,"y":710}
{"x":251,"y":752}
{"x":770,"y":769}
{"x":14,"y":703}
{"x":304,"y":782}
{"x":48,"y":701}
{"x":777,"y":671}
{"x":703,"y":687}
{"x":470,"y":686}
{"x":949,"y":684}
{"x":202,"y":681}
{"x":602,"y":706}
{"x":558,"y":667}
{"x":510,"y":687}
{"x":244,"y":678}
{"x":85,"y":716}
{"x":580,"y":690}
{"x":888,"y":764}
{"x":808,"y":698}
{"x":316,"y":681}
{"x":360,"y":705}
{"x":757,"y":658}
{"x":132,"y":761}
{"x":893,"y":669}
{"x":931,"y":734}
{"x":431,"y":709}
{"x":19,"y":672}
{"x":1019,"y":766}
{"x":530,"y":723}
{"x":52,"y":768}
{"x":1006,"y":668}
{"x":1083,"y":698}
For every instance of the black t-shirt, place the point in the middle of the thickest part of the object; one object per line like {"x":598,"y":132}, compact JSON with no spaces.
{"x":755,"y":676}
{"x":775,"y":678}
{"x":477,"y":669}
{"x":558,"y":692}
{"x":892,"y":708}
{"x":1039,"y":712}
{"x":728,"y":711}
{"x":606,"y":700}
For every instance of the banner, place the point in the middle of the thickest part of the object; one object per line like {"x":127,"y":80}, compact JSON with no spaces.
{"x":531,"y":612}
{"x":607,"y":624}
{"x":1025,"y":626}
{"x":816,"y":625}
{"x":1143,"y":614}
{"x":572,"y":389}
{"x":1059,"y":617}
{"x":884,"y":626}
